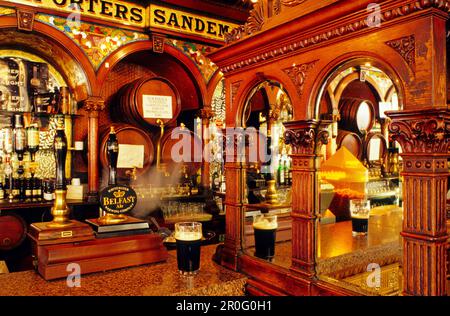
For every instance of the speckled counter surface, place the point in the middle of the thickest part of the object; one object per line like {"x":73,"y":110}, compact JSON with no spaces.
{"x":160,"y":279}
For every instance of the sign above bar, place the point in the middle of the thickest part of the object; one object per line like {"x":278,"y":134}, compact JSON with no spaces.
{"x":134,"y":15}
{"x":188,"y":23}
{"x":112,"y":11}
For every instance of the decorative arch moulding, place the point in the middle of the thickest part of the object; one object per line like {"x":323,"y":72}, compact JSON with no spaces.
{"x":357,"y":24}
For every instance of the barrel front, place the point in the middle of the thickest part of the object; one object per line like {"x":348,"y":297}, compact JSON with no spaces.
{"x":144,"y":101}
{"x":351,"y":141}
{"x":138,"y":147}
{"x":357,"y":115}
{"x":13,"y":230}
{"x":375,"y":147}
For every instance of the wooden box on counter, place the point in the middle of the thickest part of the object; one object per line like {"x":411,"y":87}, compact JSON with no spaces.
{"x":97,"y":255}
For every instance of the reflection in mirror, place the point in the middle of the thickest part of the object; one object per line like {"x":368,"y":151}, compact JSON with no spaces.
{"x":268,"y":175}
{"x":358,"y":235}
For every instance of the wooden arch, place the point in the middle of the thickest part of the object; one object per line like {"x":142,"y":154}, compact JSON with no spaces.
{"x":126,"y":50}
{"x":66,"y":50}
{"x":398,"y":76}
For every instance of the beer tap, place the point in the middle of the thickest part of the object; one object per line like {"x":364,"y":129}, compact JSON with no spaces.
{"x":60,"y":211}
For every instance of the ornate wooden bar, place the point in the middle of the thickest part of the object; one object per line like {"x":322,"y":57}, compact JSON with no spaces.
{"x":424,"y":136}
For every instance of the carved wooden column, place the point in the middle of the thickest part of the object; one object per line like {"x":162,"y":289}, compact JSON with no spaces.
{"x":206,"y":114}
{"x":424,"y":137}
{"x":306,"y":139}
{"x":234,"y":154}
{"x":93,"y":105}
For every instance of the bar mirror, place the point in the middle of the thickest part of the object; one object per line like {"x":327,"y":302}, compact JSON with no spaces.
{"x":360,"y":216}
{"x":268,"y":177}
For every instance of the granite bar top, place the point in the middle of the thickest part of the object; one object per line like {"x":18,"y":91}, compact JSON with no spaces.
{"x":159,"y":279}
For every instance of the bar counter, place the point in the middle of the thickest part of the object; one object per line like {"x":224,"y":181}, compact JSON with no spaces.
{"x":160,"y":279}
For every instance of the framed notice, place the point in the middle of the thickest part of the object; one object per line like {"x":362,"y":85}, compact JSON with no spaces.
{"x":374,"y":148}
{"x":130,"y":156}
{"x":157,"y":106}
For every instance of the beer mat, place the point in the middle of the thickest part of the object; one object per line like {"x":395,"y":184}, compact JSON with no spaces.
{"x":123,"y":233}
{"x":207,"y":236}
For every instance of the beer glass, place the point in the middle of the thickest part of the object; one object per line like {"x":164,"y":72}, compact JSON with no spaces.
{"x":360,"y":211}
{"x":188,"y":237}
{"x":265,"y":229}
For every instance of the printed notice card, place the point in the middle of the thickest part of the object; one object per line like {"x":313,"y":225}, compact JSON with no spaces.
{"x":157,"y":106}
{"x":130,"y":156}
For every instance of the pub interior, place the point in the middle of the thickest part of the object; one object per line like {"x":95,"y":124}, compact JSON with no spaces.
{"x":235,"y":147}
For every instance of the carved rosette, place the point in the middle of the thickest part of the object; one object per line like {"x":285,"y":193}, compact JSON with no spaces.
{"x":298,"y":74}
{"x":306,"y":137}
{"x":25,"y":20}
{"x":158,"y":44}
{"x":406,"y":47}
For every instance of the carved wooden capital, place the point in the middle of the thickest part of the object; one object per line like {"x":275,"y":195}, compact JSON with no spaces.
{"x":25,"y":20}
{"x":306,"y":137}
{"x":94,"y":104}
{"x":206,"y":113}
{"x":421,"y":131}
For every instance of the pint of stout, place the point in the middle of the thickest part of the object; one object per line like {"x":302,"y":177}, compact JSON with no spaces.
{"x":360,"y":212}
{"x":188,"y":236}
{"x":265,"y":228}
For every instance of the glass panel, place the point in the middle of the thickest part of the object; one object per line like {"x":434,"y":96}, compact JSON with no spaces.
{"x":268,"y":179}
{"x":360,"y":189}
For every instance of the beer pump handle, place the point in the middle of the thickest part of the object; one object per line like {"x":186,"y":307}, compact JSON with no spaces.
{"x":60,"y":145}
{"x":112,"y":147}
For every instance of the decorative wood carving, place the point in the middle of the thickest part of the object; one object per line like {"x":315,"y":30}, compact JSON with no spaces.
{"x":406,"y":47}
{"x":158,"y":44}
{"x":320,"y":36}
{"x":291,"y":3}
{"x":93,"y":105}
{"x":254,"y":23}
{"x":25,"y":20}
{"x":424,"y":136}
{"x":234,"y":89}
{"x":298,"y":74}
{"x":307,"y":137}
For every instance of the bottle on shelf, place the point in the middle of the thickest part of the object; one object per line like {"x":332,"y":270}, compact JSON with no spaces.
{"x":64,"y":100}
{"x":280,"y":171}
{"x":2,"y":191}
{"x":33,"y":139}
{"x":20,"y":141}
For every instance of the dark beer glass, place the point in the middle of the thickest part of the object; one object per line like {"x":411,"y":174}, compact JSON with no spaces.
{"x":265,"y":229}
{"x":188,"y":237}
{"x":360,"y":212}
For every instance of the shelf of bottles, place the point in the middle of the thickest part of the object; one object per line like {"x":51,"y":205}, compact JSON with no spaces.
{"x":29,"y":102}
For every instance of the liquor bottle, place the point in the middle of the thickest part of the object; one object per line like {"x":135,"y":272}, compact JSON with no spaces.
{"x":2,"y":191}
{"x":215,"y":181}
{"x":19,"y":136}
{"x":64,"y":100}
{"x":33,"y":140}
{"x":21,"y":183}
{"x":112,"y":148}
{"x":281,"y":179}
{"x":37,"y":188}
{"x":8,"y":145}
{"x":290,"y":171}
{"x":28,"y":188}
{"x":48,"y":194}
{"x":15,"y":188}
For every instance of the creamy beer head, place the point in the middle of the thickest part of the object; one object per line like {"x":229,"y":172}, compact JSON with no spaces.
{"x":265,"y":223}
{"x":188,"y":236}
{"x":188,"y":231}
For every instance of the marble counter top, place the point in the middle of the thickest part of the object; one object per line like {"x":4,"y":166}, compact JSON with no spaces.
{"x":160,"y":279}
